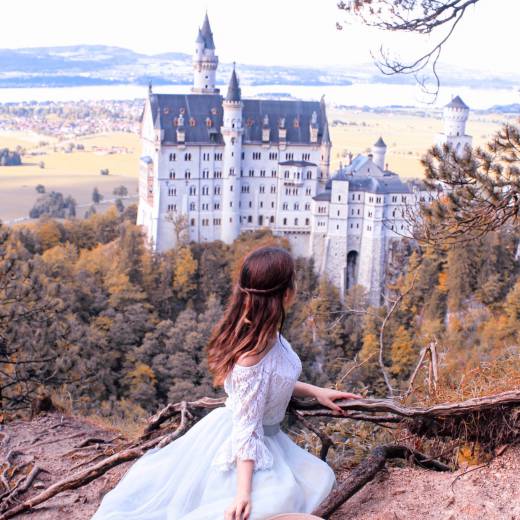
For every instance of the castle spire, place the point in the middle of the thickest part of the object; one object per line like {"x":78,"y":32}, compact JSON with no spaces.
{"x":205,"y":61}
{"x":233,"y":93}
{"x":206,"y":33}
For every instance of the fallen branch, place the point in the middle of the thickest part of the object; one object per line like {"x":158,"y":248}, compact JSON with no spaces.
{"x":367,"y":470}
{"x":437,"y":418}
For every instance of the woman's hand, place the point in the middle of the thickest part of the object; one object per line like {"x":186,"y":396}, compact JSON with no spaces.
{"x":327,"y":396}
{"x":240,"y":508}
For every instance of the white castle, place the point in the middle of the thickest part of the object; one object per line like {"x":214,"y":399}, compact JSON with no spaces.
{"x":213,"y":167}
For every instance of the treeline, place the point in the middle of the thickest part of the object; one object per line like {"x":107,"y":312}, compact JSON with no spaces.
{"x":89,"y":314}
{"x":9,"y":157}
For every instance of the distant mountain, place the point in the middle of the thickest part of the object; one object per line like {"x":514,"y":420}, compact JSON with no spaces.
{"x":80,"y":65}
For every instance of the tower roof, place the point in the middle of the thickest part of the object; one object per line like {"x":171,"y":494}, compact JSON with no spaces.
{"x":233,"y":93}
{"x":380,"y":143}
{"x":206,"y":34}
{"x":457,"y":102}
{"x":325,"y":139}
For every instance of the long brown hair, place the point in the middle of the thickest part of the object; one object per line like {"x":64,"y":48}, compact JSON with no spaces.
{"x":255,"y":310}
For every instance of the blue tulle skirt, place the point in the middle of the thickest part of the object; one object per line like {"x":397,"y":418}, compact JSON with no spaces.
{"x":179,"y":482}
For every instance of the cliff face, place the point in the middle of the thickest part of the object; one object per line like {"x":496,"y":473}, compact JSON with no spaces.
{"x":57,"y":444}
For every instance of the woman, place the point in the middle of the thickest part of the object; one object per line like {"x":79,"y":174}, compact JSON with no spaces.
{"x":236,"y":463}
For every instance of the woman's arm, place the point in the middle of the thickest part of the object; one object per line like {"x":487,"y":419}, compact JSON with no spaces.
{"x":240,"y":509}
{"x":325,"y":396}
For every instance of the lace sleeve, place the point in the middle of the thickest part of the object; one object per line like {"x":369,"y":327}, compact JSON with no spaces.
{"x":249,"y":384}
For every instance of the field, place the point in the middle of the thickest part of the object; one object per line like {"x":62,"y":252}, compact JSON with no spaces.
{"x":75,"y":173}
{"x":407,"y":135}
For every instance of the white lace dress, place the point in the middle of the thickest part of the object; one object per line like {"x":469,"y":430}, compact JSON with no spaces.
{"x":194,"y":477}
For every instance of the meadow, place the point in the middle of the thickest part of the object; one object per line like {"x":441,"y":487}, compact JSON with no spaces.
{"x":407,"y":134}
{"x":73,"y":173}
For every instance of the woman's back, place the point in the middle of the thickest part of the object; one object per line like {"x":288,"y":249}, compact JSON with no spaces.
{"x":272,"y":378}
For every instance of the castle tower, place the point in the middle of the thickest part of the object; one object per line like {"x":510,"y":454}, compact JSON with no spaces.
{"x":205,"y":62}
{"x":378,"y":153}
{"x":232,"y":131}
{"x":326,"y":144}
{"x":455,"y":116}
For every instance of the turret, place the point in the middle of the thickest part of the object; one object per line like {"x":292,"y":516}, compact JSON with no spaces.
{"x":232,"y":131}
{"x":455,"y":115}
{"x":205,"y":62}
{"x":378,"y":153}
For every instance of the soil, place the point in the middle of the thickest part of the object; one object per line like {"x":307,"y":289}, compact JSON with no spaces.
{"x":398,"y":493}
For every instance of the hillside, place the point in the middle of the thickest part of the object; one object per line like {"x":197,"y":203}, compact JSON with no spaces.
{"x":87,"y":65}
{"x":404,"y":493}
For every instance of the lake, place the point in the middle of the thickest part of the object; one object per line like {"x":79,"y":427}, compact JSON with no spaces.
{"x":359,"y":94}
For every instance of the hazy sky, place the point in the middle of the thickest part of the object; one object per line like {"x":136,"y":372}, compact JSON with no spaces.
{"x":278,"y":32}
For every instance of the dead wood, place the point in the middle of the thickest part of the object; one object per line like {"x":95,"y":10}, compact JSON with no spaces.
{"x":367,"y":470}
{"x":439,"y":418}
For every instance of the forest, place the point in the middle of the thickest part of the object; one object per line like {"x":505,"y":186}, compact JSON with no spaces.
{"x":91,"y":317}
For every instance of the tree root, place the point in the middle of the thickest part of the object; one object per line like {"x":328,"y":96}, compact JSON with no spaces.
{"x":438,"y":419}
{"x":367,"y":470}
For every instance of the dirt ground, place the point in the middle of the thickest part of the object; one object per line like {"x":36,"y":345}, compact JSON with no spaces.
{"x":491,"y":492}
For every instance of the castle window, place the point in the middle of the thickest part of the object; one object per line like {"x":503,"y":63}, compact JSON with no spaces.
{"x":309,"y":174}
{"x":296,"y":221}
{"x":216,"y":190}
{"x":306,"y":221}
{"x":284,"y":221}
{"x":353,"y":196}
{"x":307,"y":206}
{"x":231,"y":171}
{"x":257,"y":156}
{"x":285,"y":206}
{"x":192,"y":221}
{"x":218,"y":156}
{"x":307,"y":191}
{"x":250,"y":219}
{"x":289,"y":156}
{"x":172,"y":157}
{"x":271,"y":219}
{"x":192,"y":206}
{"x":187,"y":156}
{"x":193,"y":190}
{"x":231,"y":187}
{"x":286,"y":174}
{"x":171,"y":207}
{"x":378,"y":199}
{"x":272,"y":205}
{"x":359,"y":196}
{"x":273,"y":156}
{"x":358,"y":212}
{"x":216,"y":221}
{"x":262,"y":189}
{"x":187,"y":174}
{"x":338,"y":212}
{"x":296,"y":206}
{"x":273,"y":189}
{"x":273,"y":173}
{"x":394,"y":198}
{"x":262,"y":173}
{"x":339,"y":198}
{"x":261,"y":205}
{"x":251,"y":173}
{"x":172,"y":174}
{"x":357,"y":225}
{"x":403,"y":198}
{"x":337,"y":226}
{"x":172,"y":192}
{"x":243,"y":156}
{"x":216,"y":205}
{"x":306,"y":156}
